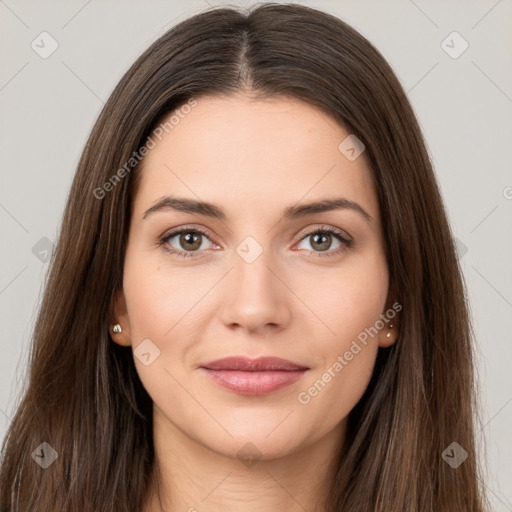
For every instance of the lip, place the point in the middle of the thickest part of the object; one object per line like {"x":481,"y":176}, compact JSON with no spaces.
{"x":253,"y":376}
{"x":246,"y":364}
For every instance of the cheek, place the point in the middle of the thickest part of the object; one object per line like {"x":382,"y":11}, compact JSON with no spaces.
{"x":334,"y":390}
{"x":349,"y":307}
{"x":166,"y":304}
{"x":158,"y":299}
{"x":346,"y":300}
{"x":159,"y":307}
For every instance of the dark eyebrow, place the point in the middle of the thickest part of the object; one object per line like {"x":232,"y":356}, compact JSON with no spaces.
{"x":180,"y":204}
{"x":326,"y":205}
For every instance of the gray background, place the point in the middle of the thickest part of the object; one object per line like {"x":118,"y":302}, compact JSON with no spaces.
{"x":464,"y":106}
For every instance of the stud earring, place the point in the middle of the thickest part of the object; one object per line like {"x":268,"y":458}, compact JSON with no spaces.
{"x":388,"y":335}
{"x":117,"y":329}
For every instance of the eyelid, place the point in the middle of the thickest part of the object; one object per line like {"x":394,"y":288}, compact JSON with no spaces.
{"x":326,"y":228}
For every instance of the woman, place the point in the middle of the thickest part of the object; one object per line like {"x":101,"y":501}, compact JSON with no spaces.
{"x":255,"y":301}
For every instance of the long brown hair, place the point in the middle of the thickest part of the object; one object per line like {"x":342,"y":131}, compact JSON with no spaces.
{"x":83,"y":396}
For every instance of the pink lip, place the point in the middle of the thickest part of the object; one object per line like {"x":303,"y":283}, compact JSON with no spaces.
{"x":253,"y":376}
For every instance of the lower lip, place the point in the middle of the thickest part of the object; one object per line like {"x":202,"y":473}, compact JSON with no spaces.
{"x":254,"y":383}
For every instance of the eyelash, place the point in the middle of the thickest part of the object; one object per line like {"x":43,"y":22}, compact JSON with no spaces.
{"x":347,"y":242}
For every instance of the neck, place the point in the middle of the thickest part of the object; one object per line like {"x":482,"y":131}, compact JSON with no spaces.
{"x":190,"y":477}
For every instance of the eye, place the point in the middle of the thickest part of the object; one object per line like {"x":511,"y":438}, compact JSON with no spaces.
{"x":190,"y":242}
{"x":321,"y":241}
{"x":185,"y":242}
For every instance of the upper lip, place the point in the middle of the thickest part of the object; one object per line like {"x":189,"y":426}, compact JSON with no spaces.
{"x":246,"y":364}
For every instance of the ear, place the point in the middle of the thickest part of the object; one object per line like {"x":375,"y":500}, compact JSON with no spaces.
{"x":120,"y":316}
{"x":389,"y":333}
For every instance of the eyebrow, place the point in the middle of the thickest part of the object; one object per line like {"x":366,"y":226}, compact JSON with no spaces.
{"x":181,"y":204}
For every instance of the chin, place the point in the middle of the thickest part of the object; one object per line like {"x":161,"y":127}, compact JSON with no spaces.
{"x":252,"y":444}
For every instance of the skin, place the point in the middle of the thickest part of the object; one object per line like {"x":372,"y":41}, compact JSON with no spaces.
{"x":253,"y":158}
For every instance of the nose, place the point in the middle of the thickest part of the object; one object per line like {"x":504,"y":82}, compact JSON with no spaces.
{"x":256,"y":298}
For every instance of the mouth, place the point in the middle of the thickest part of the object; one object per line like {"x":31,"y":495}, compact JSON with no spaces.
{"x":253,"y":376}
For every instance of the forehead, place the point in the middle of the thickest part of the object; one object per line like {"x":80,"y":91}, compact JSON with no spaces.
{"x":244,"y":152}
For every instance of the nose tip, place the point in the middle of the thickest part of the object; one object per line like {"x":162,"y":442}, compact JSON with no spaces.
{"x":257,"y":298}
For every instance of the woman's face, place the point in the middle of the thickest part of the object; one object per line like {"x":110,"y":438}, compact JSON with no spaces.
{"x":253,"y":275}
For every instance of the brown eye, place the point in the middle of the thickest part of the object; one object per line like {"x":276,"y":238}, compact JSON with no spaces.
{"x":326,"y":240}
{"x":322,"y":241}
{"x":185,"y":242}
{"x":190,"y":240}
